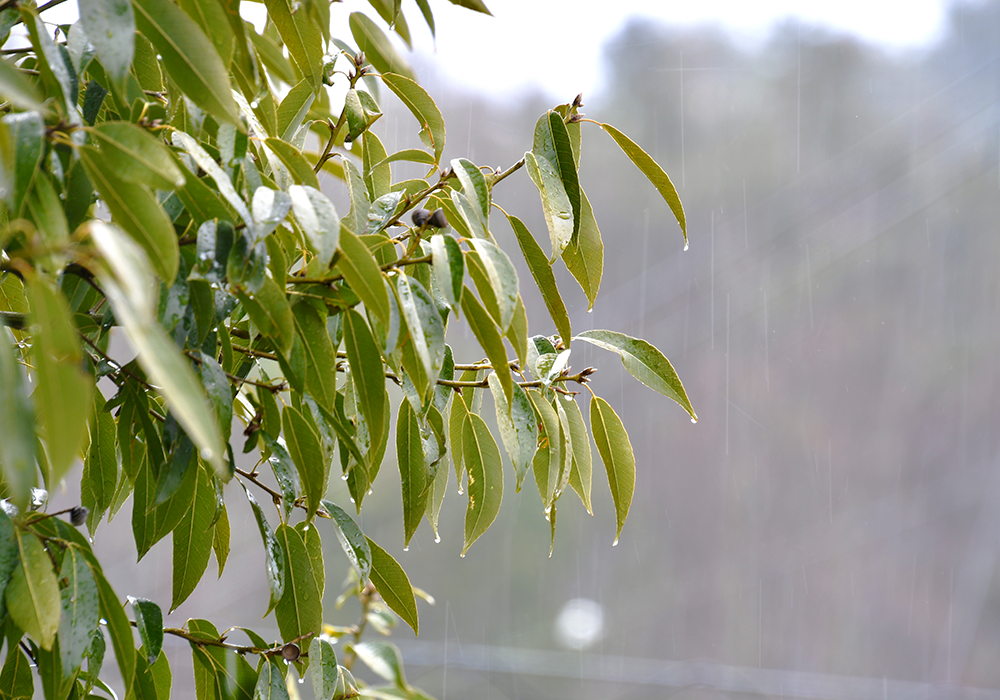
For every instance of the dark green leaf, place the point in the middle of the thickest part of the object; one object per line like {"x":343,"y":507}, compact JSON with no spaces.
{"x":223,"y":184}
{"x":270,"y":683}
{"x":274,"y":562}
{"x":100,"y":465}
{"x":541,"y":271}
{"x":502,"y":278}
{"x":366,"y":372}
{"x":33,"y":593}
{"x":351,"y":539}
{"x":220,"y":393}
{"x":377,"y":47}
{"x":321,"y":356}
{"x":307,"y":454}
{"x":424,"y":323}
{"x":489,"y":338}
{"x":485,"y":469}
{"x":221,"y":539}
{"x":16,"y":678}
{"x":26,"y":133}
{"x":616,"y":452}
{"x":189,"y":56}
{"x":518,"y":427}
{"x":17,"y":449}
{"x":137,"y":157}
{"x":584,"y":257}
{"x":149,"y":622}
{"x":280,"y":461}
{"x":117,"y":622}
{"x":644,"y":362}
{"x":10,"y":556}
{"x":555,"y":202}
{"x":269,"y":310}
{"x":302,"y":38}
{"x":393,"y":585}
{"x":654,"y":173}
{"x":193,"y":541}
{"x":412,"y":472}
{"x":552,"y":142}
{"x":449,"y":268}
{"x":474,"y":186}
{"x":80,"y":611}
{"x":363,"y":275}
{"x":323,"y":668}
{"x":300,"y":610}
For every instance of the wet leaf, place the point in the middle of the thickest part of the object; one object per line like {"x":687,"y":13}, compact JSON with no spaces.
{"x":274,"y":562}
{"x":149,"y":622}
{"x":584,"y":257}
{"x":300,"y":610}
{"x":384,"y":659}
{"x":581,"y":475}
{"x":136,"y":157}
{"x":301,"y":37}
{"x":17,"y":449}
{"x":412,"y":472}
{"x":541,"y":271}
{"x":323,"y":668}
{"x":192,"y":543}
{"x":33,"y":593}
{"x":352,"y":540}
{"x":393,"y":585}
{"x":616,"y":452}
{"x":485,"y":470}
{"x":377,"y":47}
{"x":80,"y":605}
{"x":518,"y":427}
{"x":318,"y":219}
{"x":489,"y":338}
{"x":556,"y":205}
{"x":304,"y":446}
{"x":110,"y":27}
{"x":366,"y":372}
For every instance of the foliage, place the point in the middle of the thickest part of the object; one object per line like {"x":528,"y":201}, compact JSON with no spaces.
{"x":161,"y":173}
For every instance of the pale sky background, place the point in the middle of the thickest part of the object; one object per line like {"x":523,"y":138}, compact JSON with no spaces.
{"x":500,"y":54}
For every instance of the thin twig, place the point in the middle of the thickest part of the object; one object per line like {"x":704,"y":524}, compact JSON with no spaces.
{"x":238,"y":648}
{"x":273,"y":388}
{"x":509,"y":171}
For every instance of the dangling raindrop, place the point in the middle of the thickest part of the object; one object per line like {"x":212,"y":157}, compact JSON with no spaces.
{"x":694,"y":420}
{"x":686,"y":246}
{"x":462,"y":555}
{"x":344,"y":477}
{"x":406,"y":548}
{"x":437,"y":539}
{"x":615,"y":543}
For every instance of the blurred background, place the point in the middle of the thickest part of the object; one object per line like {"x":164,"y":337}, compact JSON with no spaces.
{"x":831,"y":526}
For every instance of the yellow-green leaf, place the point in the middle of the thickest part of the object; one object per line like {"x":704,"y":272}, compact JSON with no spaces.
{"x":301,"y":36}
{"x":300,"y":610}
{"x":377,"y":47}
{"x":541,"y":271}
{"x":33,"y":592}
{"x":489,"y":338}
{"x":485,"y":470}
{"x":616,"y":452}
{"x":193,"y":541}
{"x":304,"y":447}
{"x":393,"y":585}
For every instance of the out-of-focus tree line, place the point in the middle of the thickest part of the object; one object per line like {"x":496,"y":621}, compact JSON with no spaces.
{"x":836,"y":323}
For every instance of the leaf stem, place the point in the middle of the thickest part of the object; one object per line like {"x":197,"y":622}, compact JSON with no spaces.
{"x":509,"y":171}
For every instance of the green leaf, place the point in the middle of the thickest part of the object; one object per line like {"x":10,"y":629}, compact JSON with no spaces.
{"x":129,"y":294}
{"x":16,"y":87}
{"x":556,"y":205}
{"x":188,"y":56}
{"x":222,"y":182}
{"x":302,"y":38}
{"x":485,"y":469}
{"x":518,"y":427}
{"x":549,"y":456}
{"x":23,"y":159}
{"x":45,"y":210}
{"x":644,"y":362}
{"x":616,"y":452}
{"x":269,"y":310}
{"x":323,"y":668}
{"x":221,"y":539}
{"x":270,"y":683}
{"x":552,"y":142}
{"x":117,"y":623}
{"x":541,"y":271}
{"x":457,"y":418}
{"x":110,"y":27}
{"x":16,"y":677}
{"x":137,"y":157}
{"x":219,"y":390}
{"x":193,"y":541}
{"x":351,"y":539}
{"x":377,"y":47}
{"x":476,"y":5}
{"x":296,"y":163}
{"x":449,"y":268}
{"x":300,"y":610}
{"x":366,"y":372}
{"x":100,"y":465}
{"x":274,"y":561}
{"x":502,"y":276}
{"x":393,"y":585}
{"x":409,"y":155}
{"x":384,"y":659}
{"x":80,"y":611}
{"x":412,"y":472}
{"x":423,"y":108}
{"x":424,"y":323}
{"x":55,"y":69}
{"x":318,"y":219}
{"x":321,"y":356}
{"x":149,"y":622}
{"x":293,"y":109}
{"x":136,"y":209}
{"x":357,"y":218}
{"x":474,"y":187}
{"x":654,"y":173}
{"x":10,"y":556}
{"x":584,"y":257}
{"x":63,"y":396}
{"x":307,"y":454}
{"x":33,"y":592}
{"x":363,"y":275}
{"x":581,"y":475}
{"x":489,"y":338}
{"x":17,"y":449}
{"x":438,"y":486}
{"x":269,"y":207}
{"x":377,"y":174}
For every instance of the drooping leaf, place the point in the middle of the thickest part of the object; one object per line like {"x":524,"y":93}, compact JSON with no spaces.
{"x":300,"y":610}
{"x":489,"y":338}
{"x":549,"y":456}
{"x":274,"y":561}
{"x":366,"y":372}
{"x":352,"y":540}
{"x":653,"y":172}
{"x":271,"y":313}
{"x":80,"y":611}
{"x":363,"y":275}
{"x":16,"y":87}
{"x":304,"y":446}
{"x":323,"y":668}
{"x":581,"y":475}
{"x":426,"y":330}
{"x":23,"y":157}
{"x":149,"y":622}
{"x":384,"y":659}
{"x":393,"y":585}
{"x":219,"y":390}
{"x":476,"y":5}
{"x":33,"y":594}
{"x":189,"y":56}
{"x":518,"y":427}
{"x":318,"y":219}
{"x":10,"y":556}
{"x":502,"y":278}
{"x":412,"y":473}
{"x":137,"y":157}
{"x":541,"y":271}
{"x":616,"y":452}
{"x":552,"y":142}
{"x":449,"y":268}
{"x":584,"y":257}
{"x":270,"y":683}
{"x":556,"y":206}
{"x":644,"y":362}
{"x":110,"y":27}
{"x":301,"y":37}
{"x":377,"y":47}
{"x":474,"y":186}
{"x":457,"y":418}
{"x":221,"y":539}
{"x":17,"y":449}
{"x":485,"y":470}
{"x":16,"y":677}
{"x":321,"y":356}
{"x":193,"y":541}
{"x":113,"y":613}
{"x":100,"y":465}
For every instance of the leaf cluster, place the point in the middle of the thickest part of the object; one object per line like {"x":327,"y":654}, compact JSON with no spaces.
{"x":162,"y":171}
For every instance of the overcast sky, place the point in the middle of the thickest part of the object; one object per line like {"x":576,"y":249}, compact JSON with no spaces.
{"x":503,"y":52}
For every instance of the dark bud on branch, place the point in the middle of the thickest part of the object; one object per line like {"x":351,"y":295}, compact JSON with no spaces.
{"x":290,"y":652}
{"x":578,"y":101}
{"x":437,"y":219}
{"x":420,"y":216}
{"x":78,"y":516}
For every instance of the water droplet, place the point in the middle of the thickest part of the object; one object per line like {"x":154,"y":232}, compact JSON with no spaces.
{"x":406,"y":548}
{"x":461,"y":491}
{"x":344,"y":477}
{"x":462,"y":555}
{"x":615,"y":543}
{"x":370,"y":492}
{"x":694,"y":420}
{"x":254,"y":104}
{"x":352,"y":499}
{"x":207,"y":455}
{"x":437,"y":539}
{"x":590,"y":310}
{"x":686,"y":246}
{"x":301,"y":681}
